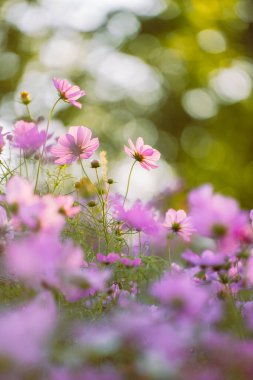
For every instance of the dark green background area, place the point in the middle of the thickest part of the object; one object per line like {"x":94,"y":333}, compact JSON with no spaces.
{"x":217,"y":149}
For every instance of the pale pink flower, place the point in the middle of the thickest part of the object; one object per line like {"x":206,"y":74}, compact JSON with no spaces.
{"x":68,"y":92}
{"x":74,"y":145}
{"x":19,"y":191}
{"x":65,"y":205}
{"x":144,"y":154}
{"x":179,"y":223}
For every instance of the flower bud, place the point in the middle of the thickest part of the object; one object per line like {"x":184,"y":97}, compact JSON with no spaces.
{"x":92,"y":204}
{"x":25,"y":97}
{"x":110,"y":181}
{"x":95,"y":164}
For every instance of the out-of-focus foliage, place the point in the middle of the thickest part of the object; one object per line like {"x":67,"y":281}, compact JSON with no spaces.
{"x":178,"y":73}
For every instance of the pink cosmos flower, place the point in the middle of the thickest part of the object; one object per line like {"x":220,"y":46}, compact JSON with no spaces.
{"x":27,"y":137}
{"x":179,"y":223}
{"x":65,"y":205}
{"x":68,"y":92}
{"x":74,"y":145}
{"x":45,"y":213}
{"x":144,"y":154}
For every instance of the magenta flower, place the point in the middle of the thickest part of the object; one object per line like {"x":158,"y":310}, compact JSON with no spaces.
{"x":74,"y":145}
{"x":68,"y":92}
{"x":179,"y":223}
{"x":144,"y":154}
{"x":139,"y":216}
{"x":220,"y":217}
{"x":111,"y":258}
{"x":27,"y":137}
{"x":131,"y":263}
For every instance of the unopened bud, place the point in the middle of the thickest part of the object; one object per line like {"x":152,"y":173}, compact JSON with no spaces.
{"x":92,"y":204}
{"x":95,"y":164}
{"x":110,"y":181}
{"x":25,"y":97}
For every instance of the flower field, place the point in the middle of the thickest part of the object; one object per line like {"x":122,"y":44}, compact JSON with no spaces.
{"x":95,"y":286}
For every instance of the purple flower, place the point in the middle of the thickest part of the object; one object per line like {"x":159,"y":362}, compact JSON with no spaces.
{"x":41,"y":260}
{"x":27,"y":137}
{"x":138,"y":217}
{"x":131,"y":262}
{"x":111,"y":258}
{"x":206,"y":259}
{"x":218,"y":216}
{"x":24,"y":331}
{"x":180,"y":293}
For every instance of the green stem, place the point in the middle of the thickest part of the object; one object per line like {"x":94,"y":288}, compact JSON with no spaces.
{"x":169,"y":252}
{"x":103,"y":209}
{"x":101,"y":202}
{"x":29,"y":112}
{"x":56,"y":184}
{"x":44,"y":145}
{"x":86,"y":175}
{"x":140,"y":248}
{"x":236,"y":313}
{"x":26,"y":169}
{"x":128,"y":182}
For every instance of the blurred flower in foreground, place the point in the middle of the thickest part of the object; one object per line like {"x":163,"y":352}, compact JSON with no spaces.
{"x":139,"y":217}
{"x":219,"y":217}
{"x":24,"y":331}
{"x":74,"y":145}
{"x":251,"y":216}
{"x":68,"y":92}
{"x":179,"y":223}
{"x":144,"y":154}
{"x":27,"y":137}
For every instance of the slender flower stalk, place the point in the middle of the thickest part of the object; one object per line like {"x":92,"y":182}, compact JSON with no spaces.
{"x":169,"y":251}
{"x":128,"y":182}
{"x":140,"y":247}
{"x":29,"y":112}
{"x":101,"y":200}
{"x":100,"y":191}
{"x":44,"y":145}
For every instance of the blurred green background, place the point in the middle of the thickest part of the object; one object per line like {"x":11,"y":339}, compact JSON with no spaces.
{"x":177,"y":72}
